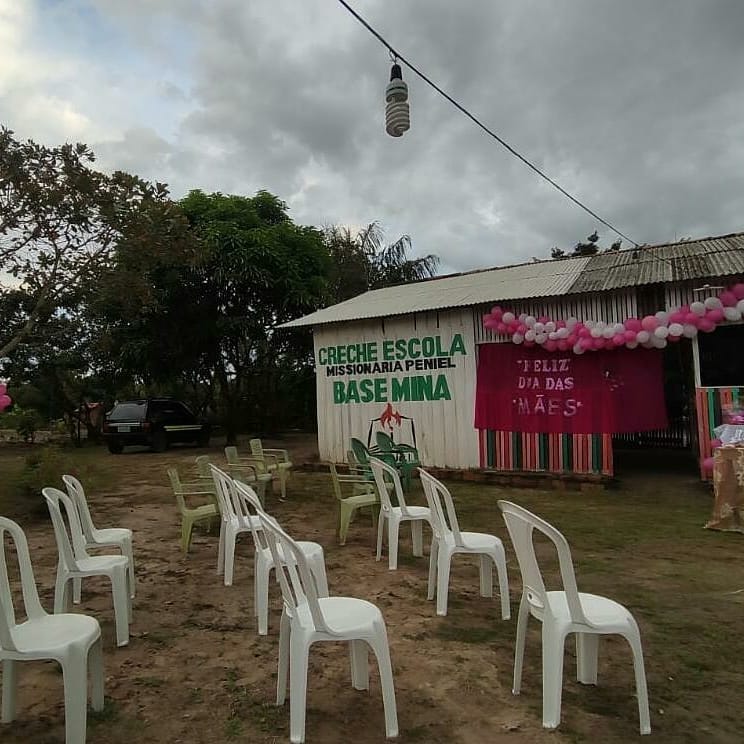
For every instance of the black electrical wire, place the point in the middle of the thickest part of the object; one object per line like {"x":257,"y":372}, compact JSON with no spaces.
{"x":477,"y":121}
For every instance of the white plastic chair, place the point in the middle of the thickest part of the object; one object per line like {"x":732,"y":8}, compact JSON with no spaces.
{"x":308,"y":618}
{"x":394,"y":515}
{"x":74,"y":562}
{"x":276,"y":461}
{"x":74,"y":641}
{"x":109,"y":537}
{"x":264,"y":561}
{"x":564,"y":612}
{"x":236,"y":519}
{"x":449,"y":539}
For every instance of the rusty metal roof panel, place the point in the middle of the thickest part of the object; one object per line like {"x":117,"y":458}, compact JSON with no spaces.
{"x":538,"y":279}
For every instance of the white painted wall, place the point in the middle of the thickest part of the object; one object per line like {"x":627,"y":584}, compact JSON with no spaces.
{"x":445,"y":435}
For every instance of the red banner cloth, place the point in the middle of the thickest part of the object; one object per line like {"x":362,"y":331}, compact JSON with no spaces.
{"x":603,"y":392}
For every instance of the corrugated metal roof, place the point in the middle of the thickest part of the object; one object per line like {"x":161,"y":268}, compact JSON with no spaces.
{"x":669,"y":262}
{"x":705,"y":258}
{"x":538,"y":279}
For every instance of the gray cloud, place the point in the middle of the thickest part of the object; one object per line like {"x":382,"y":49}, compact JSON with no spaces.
{"x":635,"y":107}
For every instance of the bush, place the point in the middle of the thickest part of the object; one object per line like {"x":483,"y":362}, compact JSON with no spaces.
{"x":43,"y":467}
{"x":26,"y":421}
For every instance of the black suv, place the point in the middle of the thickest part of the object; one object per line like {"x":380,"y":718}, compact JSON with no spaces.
{"x":155,"y":422}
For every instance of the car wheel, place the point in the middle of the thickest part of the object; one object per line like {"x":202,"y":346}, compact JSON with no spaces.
{"x":159,"y":441}
{"x":115,"y":448}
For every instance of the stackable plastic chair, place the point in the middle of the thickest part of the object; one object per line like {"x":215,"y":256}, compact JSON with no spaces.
{"x":108,"y":537}
{"x":276,"y":462}
{"x":363,"y":495}
{"x":236,"y":519}
{"x":564,"y":612}
{"x":191,"y":515}
{"x":75,"y":563}
{"x":308,"y":619}
{"x":449,"y":540}
{"x":264,"y":560}
{"x":74,"y":641}
{"x":394,"y":515}
{"x":406,"y":456}
{"x":249,"y":469}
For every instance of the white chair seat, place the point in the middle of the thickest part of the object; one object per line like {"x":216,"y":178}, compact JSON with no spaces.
{"x":111,"y":535}
{"x":605,"y":614}
{"x":342,"y":614}
{"x":478,"y":542}
{"x":42,"y":636}
{"x":414,"y":512}
{"x":97,"y":563}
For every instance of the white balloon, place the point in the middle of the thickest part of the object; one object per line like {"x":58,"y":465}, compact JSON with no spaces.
{"x":550,"y":326}
{"x":563,"y":332}
{"x":608,"y":331}
{"x":698,"y":308}
{"x":530,"y":321}
{"x":661,"y":332}
{"x":731,"y":313}
{"x":589,"y":324}
{"x":618,"y":328}
{"x":662,"y":316}
{"x":539,"y":327}
{"x":632,"y":344}
{"x":529,"y":335}
{"x":689,"y":331}
{"x":553,"y":336}
{"x":541,"y":338}
{"x":571,"y":323}
{"x":643,"y":337}
{"x":601,"y":325}
{"x":740,"y":306}
{"x":578,"y":349}
{"x":659,"y":343}
{"x":675,"y":329}
{"x":522,"y":317}
{"x":596,"y":332}
{"x":713,"y":303}
{"x":508,"y":317}
{"x":517,"y":338}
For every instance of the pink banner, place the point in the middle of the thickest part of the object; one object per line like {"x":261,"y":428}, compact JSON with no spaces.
{"x":534,"y":390}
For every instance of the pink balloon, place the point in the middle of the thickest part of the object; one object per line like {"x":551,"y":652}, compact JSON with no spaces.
{"x":5,"y":401}
{"x":586,"y":342}
{"x":560,"y":323}
{"x":738,"y":290}
{"x":715,"y":443}
{"x":692,"y":319}
{"x":543,"y":319}
{"x":708,"y":465}
{"x":3,"y":388}
{"x":633,"y":324}
{"x":673,"y":338}
{"x":728,"y":298}
{"x":629,"y":335}
{"x":618,"y":339}
{"x":650,"y":323}
{"x":706,"y":325}
{"x":677,"y":317}
{"x":563,"y":344}
{"x":521,"y":328}
{"x":490,"y":323}
{"x":501,"y":327}
{"x":599,"y":343}
{"x":716,"y":315}
{"x":550,"y":345}
{"x":571,"y":340}
{"x":584,"y":332}
{"x":497,"y":312}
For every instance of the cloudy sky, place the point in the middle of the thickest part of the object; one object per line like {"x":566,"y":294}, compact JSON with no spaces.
{"x":636,"y":107}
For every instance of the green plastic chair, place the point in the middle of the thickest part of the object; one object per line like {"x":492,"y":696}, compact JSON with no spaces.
{"x":364,"y":494}
{"x":204,"y":513}
{"x":276,"y":461}
{"x":406,"y":457}
{"x":249,"y":470}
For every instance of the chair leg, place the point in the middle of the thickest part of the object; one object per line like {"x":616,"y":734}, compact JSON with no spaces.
{"x":552,"y":672}
{"x":95,"y":671}
{"x":283,"y":671}
{"x":359,"y":660}
{"x":393,"y":529}
{"x":522,"y":618}
{"x":283,"y":484}
{"x":433,"y":553}
{"x":640,"y":677}
{"x":187,"y":527}
{"x":444,"y":560}
{"x":381,"y":650}
{"x":417,"y":537}
{"x":262,"y":570}
{"x":486,"y":575}
{"x":128,"y":551}
{"x":587,"y":653}
{"x":77,"y":590}
{"x":10,"y":683}
{"x":500,"y":561}
{"x":344,"y":520}
{"x":380,"y":529}
{"x":122,"y":605}
{"x":74,"y":671}
{"x":229,"y":556}
{"x":221,"y":549}
{"x":298,"y":662}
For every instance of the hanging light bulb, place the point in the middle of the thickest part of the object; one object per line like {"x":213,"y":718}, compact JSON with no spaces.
{"x":397,"y":116}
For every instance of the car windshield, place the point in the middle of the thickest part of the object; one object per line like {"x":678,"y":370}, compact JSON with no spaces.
{"x":128,"y":412}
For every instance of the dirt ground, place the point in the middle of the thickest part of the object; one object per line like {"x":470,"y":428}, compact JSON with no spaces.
{"x":195,"y":669}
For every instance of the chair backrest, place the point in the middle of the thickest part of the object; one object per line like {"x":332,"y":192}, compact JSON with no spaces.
{"x":299,"y":591}
{"x":31,"y":603}
{"x":223,"y":489}
{"x":177,"y":489}
{"x":231,"y":455}
{"x":384,"y":441}
{"x":360,"y":451}
{"x":521,"y":525}
{"x":382,"y":471}
{"x":202,"y":466}
{"x":70,"y":545}
{"x":335,"y":481}
{"x":443,"y":516}
{"x":77,"y":494}
{"x":256,"y":448}
{"x":252,"y":506}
